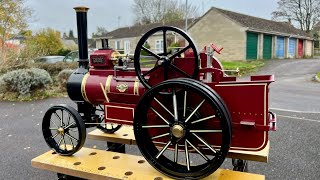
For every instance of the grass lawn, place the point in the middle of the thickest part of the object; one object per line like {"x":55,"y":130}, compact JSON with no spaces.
{"x":318,"y":75}
{"x":245,"y":67}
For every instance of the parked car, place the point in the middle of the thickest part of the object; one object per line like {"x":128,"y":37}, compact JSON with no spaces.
{"x":74,"y":55}
{"x":49,"y":59}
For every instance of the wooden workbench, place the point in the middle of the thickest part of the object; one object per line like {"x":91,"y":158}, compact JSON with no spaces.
{"x":98,"y":164}
{"x":125,"y":135}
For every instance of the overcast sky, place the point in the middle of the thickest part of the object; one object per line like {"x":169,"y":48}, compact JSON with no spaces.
{"x":58,"y":14}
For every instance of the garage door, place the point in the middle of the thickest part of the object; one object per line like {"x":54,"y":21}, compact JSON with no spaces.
{"x":267,"y":46}
{"x":280,"y":47}
{"x":300,"y":48}
{"x":292,"y":47}
{"x":252,"y":45}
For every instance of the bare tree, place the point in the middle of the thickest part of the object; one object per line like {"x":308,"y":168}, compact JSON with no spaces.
{"x":13,"y":18}
{"x":100,"y":31}
{"x":153,"y":11}
{"x":306,"y":13}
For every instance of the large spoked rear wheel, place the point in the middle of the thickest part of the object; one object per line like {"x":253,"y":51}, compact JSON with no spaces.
{"x":63,"y":129}
{"x":182,"y":129}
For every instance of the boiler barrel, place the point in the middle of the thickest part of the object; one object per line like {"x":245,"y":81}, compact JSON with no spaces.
{"x":101,"y":89}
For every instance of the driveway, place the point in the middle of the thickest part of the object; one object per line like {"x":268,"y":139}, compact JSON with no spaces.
{"x":294,"y":89}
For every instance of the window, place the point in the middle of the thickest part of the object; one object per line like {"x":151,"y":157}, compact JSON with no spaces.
{"x":117,"y":45}
{"x":159,"y":46}
{"x":127,"y":47}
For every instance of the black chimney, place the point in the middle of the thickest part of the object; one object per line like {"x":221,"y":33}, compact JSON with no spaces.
{"x":82,"y":36}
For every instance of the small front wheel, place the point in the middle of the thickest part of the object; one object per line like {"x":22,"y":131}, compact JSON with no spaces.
{"x":63,"y":129}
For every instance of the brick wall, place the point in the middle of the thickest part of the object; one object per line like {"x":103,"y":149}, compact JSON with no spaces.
{"x":218,"y":29}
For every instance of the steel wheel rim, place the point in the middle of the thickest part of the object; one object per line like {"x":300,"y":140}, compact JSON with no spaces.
{"x":108,"y":128}
{"x":164,"y":29}
{"x":63,"y":130}
{"x":171,"y":166}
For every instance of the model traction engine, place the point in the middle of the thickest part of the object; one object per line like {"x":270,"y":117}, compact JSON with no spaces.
{"x":186,"y":113}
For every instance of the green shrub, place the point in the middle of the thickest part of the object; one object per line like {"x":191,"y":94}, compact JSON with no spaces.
{"x":55,"y":68}
{"x":63,"y":77}
{"x":63,"y":52}
{"x":24,"y":81}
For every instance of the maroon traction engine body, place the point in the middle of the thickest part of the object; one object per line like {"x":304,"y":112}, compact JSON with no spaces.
{"x":185,"y":111}
{"x":247,"y":101}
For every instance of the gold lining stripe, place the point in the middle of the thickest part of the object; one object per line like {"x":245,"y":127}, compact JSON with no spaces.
{"x":83,"y":87}
{"x":104,"y":92}
{"x":108,"y":83}
{"x":136,"y":88}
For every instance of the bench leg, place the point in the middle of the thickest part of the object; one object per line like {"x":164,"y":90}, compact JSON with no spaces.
{"x":67,"y":177}
{"x":240,"y":165}
{"x":116,"y":147}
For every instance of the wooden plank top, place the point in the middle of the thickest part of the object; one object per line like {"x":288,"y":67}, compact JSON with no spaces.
{"x":125,"y":135}
{"x":98,"y":164}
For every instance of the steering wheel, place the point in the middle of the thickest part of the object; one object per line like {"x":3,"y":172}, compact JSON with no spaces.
{"x":165,"y":64}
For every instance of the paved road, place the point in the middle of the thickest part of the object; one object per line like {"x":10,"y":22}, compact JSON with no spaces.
{"x":294,"y":152}
{"x":294,"y":88}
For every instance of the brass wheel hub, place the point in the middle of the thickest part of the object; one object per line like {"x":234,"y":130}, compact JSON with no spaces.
{"x":61,"y":131}
{"x":177,"y":131}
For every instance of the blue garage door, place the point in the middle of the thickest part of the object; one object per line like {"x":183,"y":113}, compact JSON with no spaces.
{"x":280,"y":47}
{"x":292,"y":47}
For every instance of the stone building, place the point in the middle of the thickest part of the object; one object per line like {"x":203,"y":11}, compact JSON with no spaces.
{"x":243,"y":37}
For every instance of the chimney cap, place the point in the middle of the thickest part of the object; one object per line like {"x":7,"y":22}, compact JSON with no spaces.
{"x":81,"y":9}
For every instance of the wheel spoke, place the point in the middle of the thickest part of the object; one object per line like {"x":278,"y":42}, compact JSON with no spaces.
{"x":175,"y":106}
{"x":163,"y":149}
{"x":150,"y":71}
{"x":161,"y":135}
{"x":163,"y":106}
{"x":52,"y":137}
{"x":53,"y":128}
{"x":156,"y":126}
{"x":55,"y":113}
{"x":165,"y":42}
{"x":179,"y":70}
{"x":204,"y":142}
{"x":187,"y":155}
{"x":60,"y":141}
{"x":185,"y":104}
{"x":71,"y":142}
{"x":203,"y":119}
{"x":175,"y":157}
{"x":62,"y":118}
{"x":206,"y":131}
{"x":150,"y":52}
{"x":69,"y":135}
{"x":69,"y":125}
{"x":159,"y":115}
{"x":70,"y":129}
{"x":69,"y":116}
{"x":198,"y":151}
{"x":194,"y":111}
{"x":54,"y":123}
{"x":179,"y":52}
{"x":65,"y":145}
